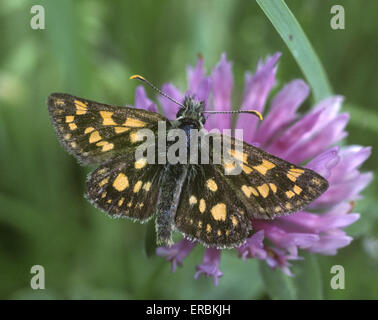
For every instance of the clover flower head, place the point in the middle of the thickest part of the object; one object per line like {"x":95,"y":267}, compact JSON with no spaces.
{"x":308,"y":139}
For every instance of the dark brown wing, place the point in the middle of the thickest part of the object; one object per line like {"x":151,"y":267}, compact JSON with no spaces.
{"x":94,"y":132}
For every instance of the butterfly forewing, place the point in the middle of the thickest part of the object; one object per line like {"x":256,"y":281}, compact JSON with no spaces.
{"x":269,"y":186}
{"x":125,"y":187}
{"x":96,"y":132}
{"x":210,"y":211}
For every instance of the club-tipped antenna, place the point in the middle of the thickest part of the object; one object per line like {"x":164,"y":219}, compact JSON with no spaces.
{"x":254,"y":112}
{"x":144,"y":80}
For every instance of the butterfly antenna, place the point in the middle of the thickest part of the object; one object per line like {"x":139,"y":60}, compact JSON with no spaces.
{"x":254,"y":112}
{"x":144,"y":80}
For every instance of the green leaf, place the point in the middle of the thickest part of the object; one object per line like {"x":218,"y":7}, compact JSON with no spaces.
{"x":292,"y":34}
{"x":278,"y":285}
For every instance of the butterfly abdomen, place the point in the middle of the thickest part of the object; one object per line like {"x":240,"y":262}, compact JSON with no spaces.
{"x":171,"y":184}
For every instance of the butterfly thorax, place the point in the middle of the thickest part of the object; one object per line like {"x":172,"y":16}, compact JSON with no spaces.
{"x":191,"y":113}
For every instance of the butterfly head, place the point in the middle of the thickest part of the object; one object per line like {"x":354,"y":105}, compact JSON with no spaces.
{"x":192,"y":111}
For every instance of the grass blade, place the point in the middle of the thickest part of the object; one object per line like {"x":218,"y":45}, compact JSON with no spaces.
{"x":292,"y":34}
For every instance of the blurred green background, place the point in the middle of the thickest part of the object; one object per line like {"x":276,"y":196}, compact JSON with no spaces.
{"x":90,"y":48}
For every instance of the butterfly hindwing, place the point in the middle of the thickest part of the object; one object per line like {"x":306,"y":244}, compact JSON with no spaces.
{"x":96,"y":132}
{"x":269,"y":186}
{"x":209,"y":210}
{"x":125,"y":187}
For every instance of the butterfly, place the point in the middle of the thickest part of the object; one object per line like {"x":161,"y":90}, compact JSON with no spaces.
{"x":201,"y":201}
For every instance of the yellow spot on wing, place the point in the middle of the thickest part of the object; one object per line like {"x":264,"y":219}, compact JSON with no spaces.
{"x":94,"y":137}
{"x":229,"y":166}
{"x":141,"y":163}
{"x":297,"y":189}
{"x":234,"y":221}
{"x":59,"y":102}
{"x":137,"y":186}
{"x":249,"y":190}
{"x":246,"y":169}
{"x":107,"y":118}
{"x":140,"y":205}
{"x":81,"y":107}
{"x":208,"y":228}
{"x":273,"y":187}
{"x":69,"y":118}
{"x":200,"y":224}
{"x":103,"y":182}
{"x":202,"y":205}
{"x":135,"y":123}
{"x":120,"y":202}
{"x":72,"y":126}
{"x":106,"y":146}
{"x":147,"y":186}
{"x":219,"y":212}
{"x":192,"y":200}
{"x":121,"y":129}
{"x":264,"y":190}
{"x":297,"y":170}
{"x":290,"y":194}
{"x":134,"y":137}
{"x":288,"y":206}
{"x":67,"y":136}
{"x":102,"y":171}
{"x":241,"y":156}
{"x":264,"y":167}
{"x":88,"y":130}
{"x":121,"y":182}
{"x":211,"y":185}
{"x":246,"y":191}
{"x":293,"y":174}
